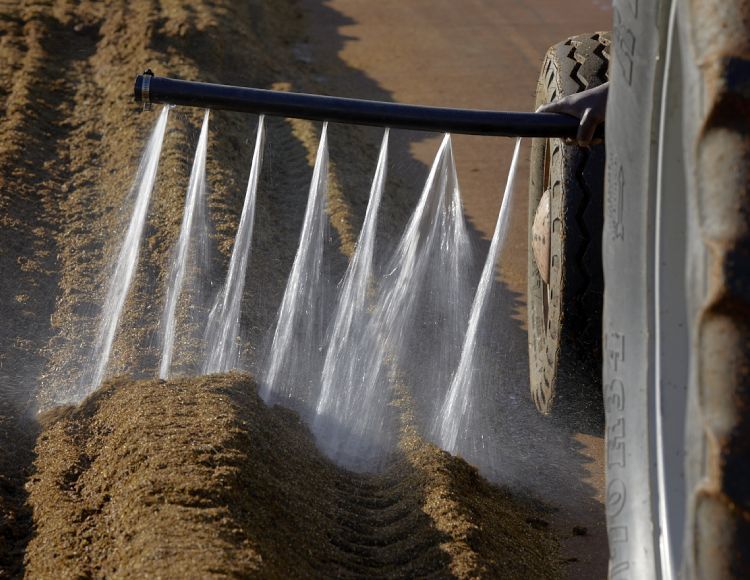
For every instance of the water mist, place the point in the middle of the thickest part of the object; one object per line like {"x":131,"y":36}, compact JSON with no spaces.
{"x":457,"y":429}
{"x":189,"y":254}
{"x":294,"y":362}
{"x":342,"y":401}
{"x":127,"y":261}
{"x":354,"y":423}
{"x":223,"y":329}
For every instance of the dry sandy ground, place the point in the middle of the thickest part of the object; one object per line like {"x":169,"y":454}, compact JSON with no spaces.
{"x":483,"y":54}
{"x":192,"y":478}
{"x":198,"y":478}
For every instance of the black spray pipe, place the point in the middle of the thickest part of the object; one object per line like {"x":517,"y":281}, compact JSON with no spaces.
{"x":152,"y":89}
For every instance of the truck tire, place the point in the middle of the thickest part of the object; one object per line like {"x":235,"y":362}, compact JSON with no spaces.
{"x":676,"y":248}
{"x":564,"y":312}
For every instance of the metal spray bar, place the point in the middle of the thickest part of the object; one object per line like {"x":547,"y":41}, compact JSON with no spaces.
{"x":153,"y":89}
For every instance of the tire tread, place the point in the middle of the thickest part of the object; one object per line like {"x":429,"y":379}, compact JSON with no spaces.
{"x":568,"y":375}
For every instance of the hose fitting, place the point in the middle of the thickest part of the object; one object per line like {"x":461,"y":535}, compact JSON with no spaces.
{"x":143,"y":89}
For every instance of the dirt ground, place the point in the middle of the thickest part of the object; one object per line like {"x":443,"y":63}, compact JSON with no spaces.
{"x":193,"y":478}
{"x":198,"y":478}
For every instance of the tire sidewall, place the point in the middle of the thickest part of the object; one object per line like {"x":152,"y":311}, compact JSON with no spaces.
{"x":633,"y":118}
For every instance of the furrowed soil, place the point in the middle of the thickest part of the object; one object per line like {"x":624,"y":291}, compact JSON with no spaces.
{"x":191,"y":477}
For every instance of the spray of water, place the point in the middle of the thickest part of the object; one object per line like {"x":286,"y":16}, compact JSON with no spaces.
{"x":294,"y":361}
{"x":127,"y":261}
{"x":222,"y":332}
{"x":430,"y":348}
{"x":353,"y":423}
{"x":189,"y":251}
{"x":457,"y":413}
{"x":339,"y":398}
